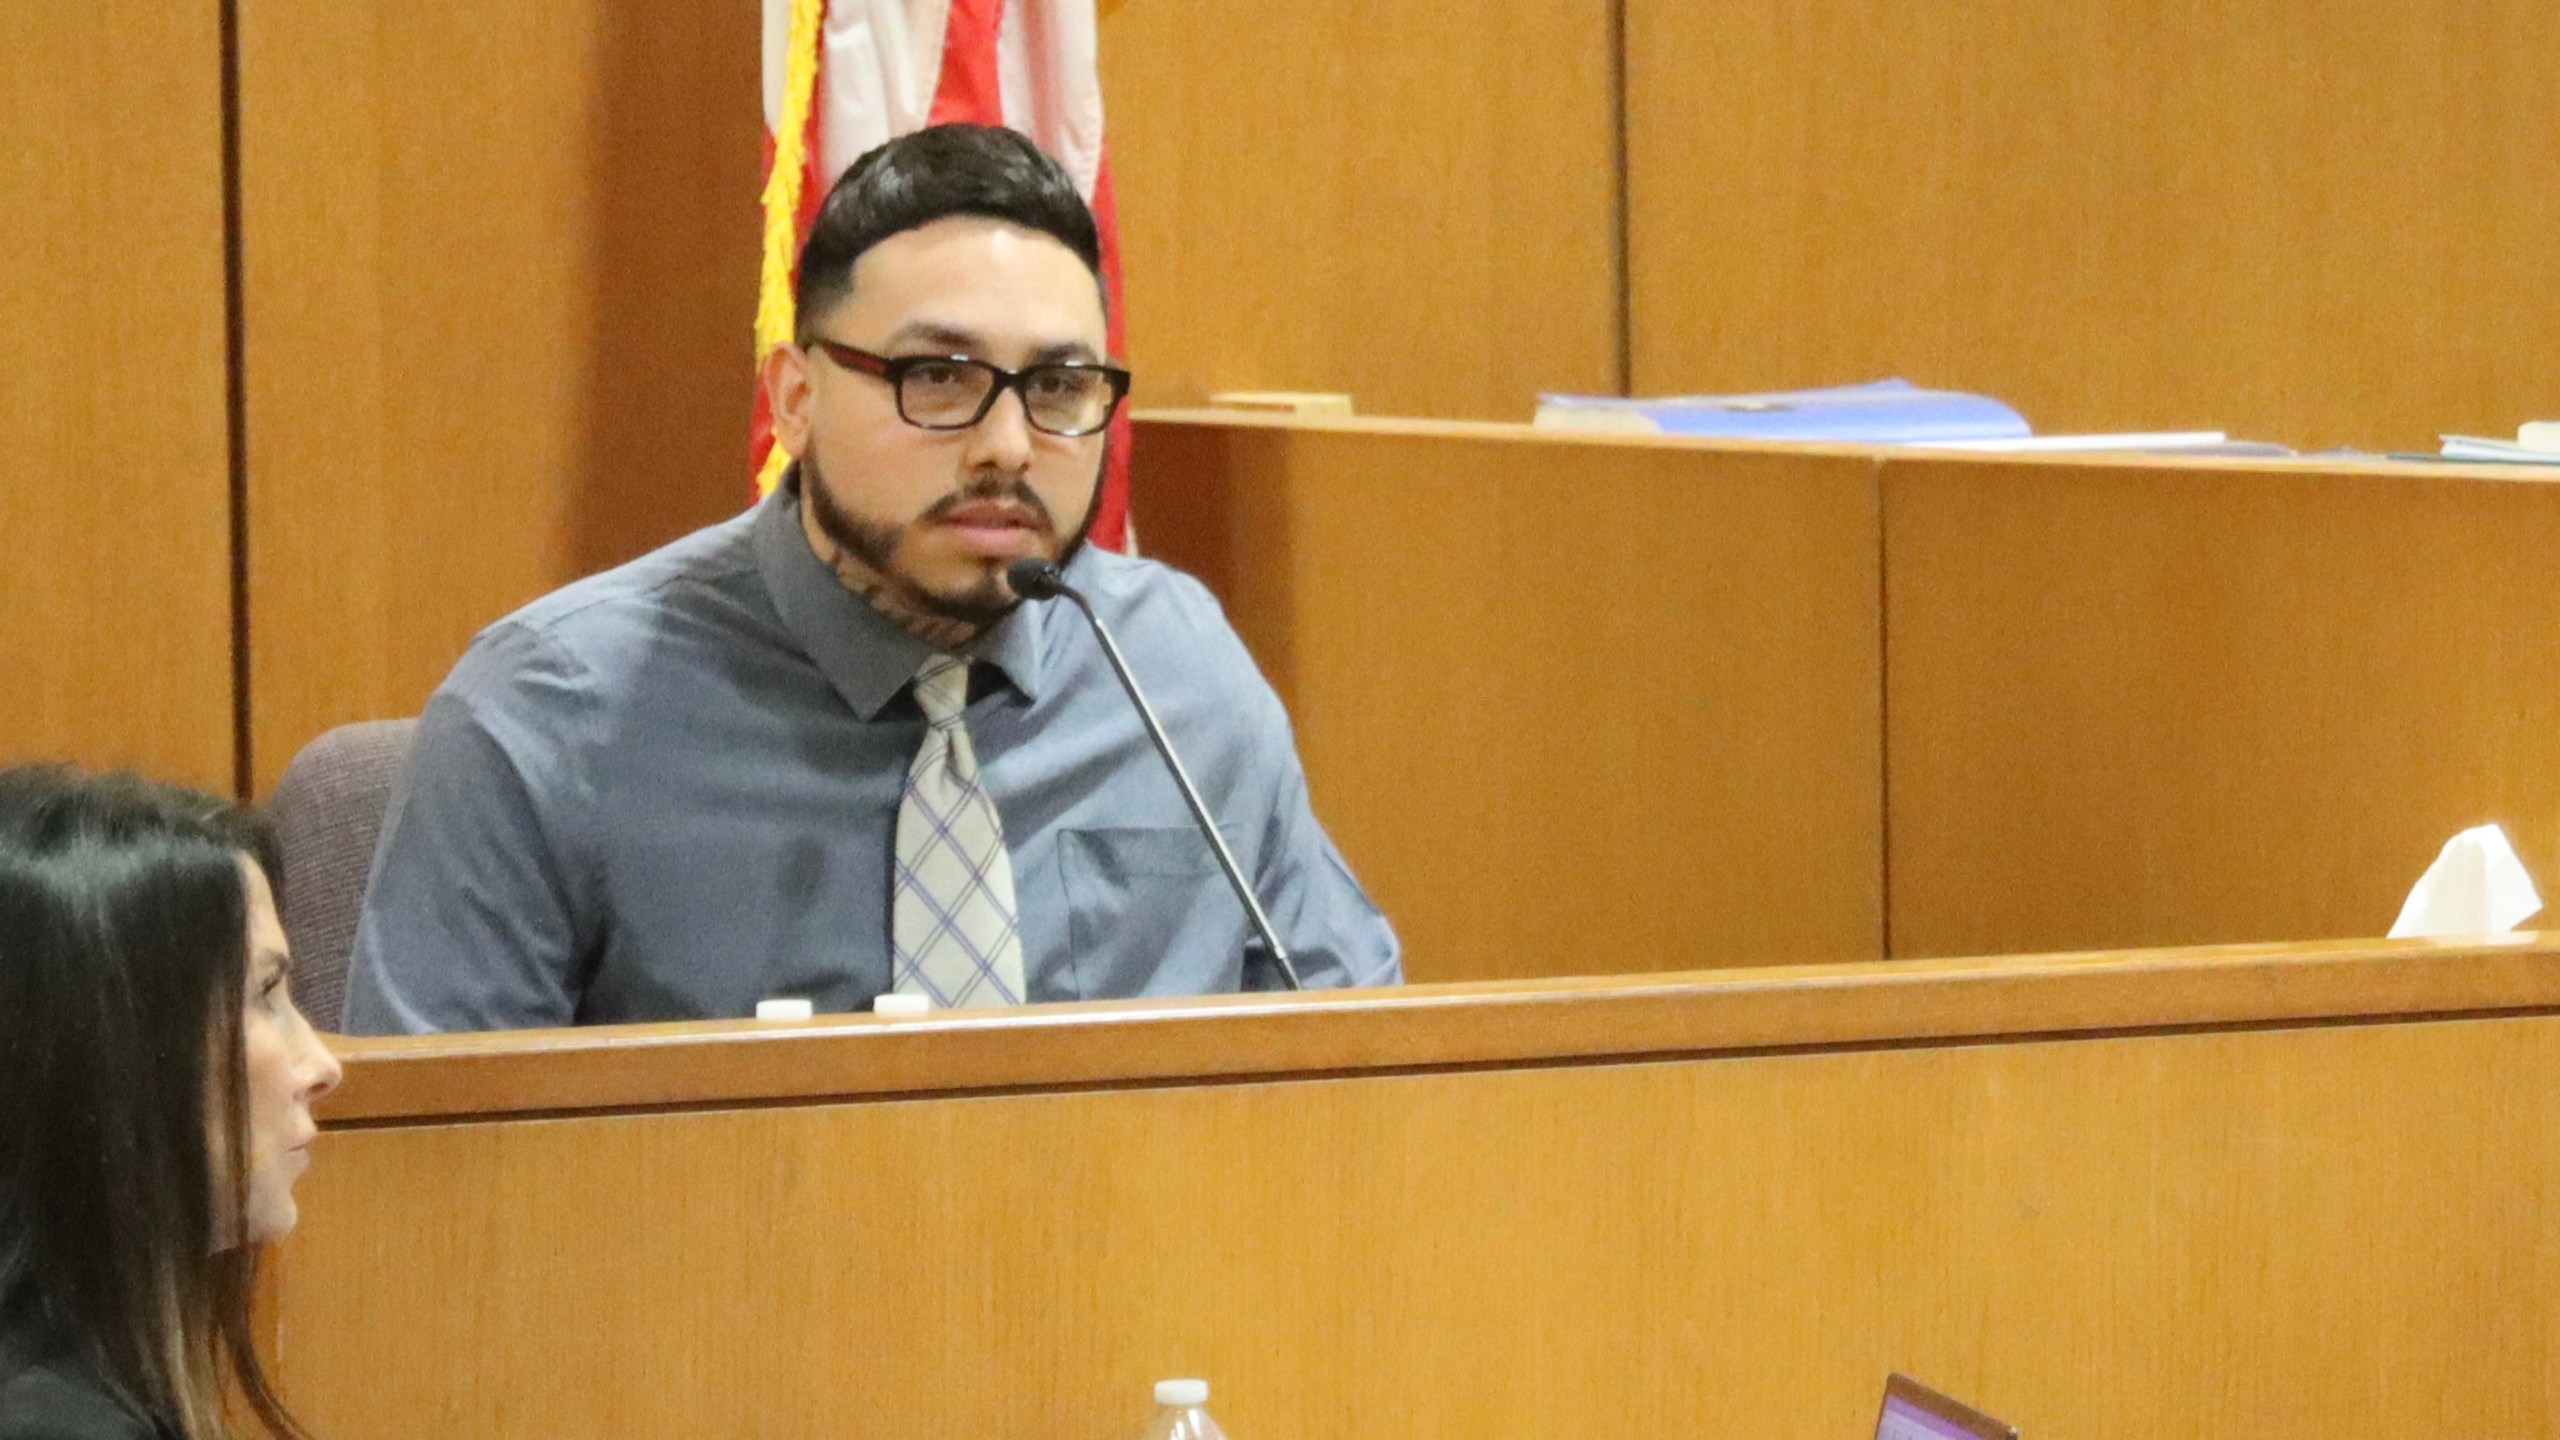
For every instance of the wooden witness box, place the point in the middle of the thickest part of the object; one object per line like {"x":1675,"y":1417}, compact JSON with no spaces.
{"x":2274,"y":1191}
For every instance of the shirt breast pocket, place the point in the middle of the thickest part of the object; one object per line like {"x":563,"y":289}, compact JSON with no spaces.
{"x":1148,"y":913}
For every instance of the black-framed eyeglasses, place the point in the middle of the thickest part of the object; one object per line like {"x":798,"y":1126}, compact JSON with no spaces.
{"x":954,"y":392}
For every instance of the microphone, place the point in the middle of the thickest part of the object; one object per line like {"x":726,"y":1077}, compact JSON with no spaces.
{"x":1034,"y":578}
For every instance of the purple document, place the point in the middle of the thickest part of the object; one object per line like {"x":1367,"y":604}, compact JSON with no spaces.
{"x":1913,"y":1411}
{"x":1885,"y":412}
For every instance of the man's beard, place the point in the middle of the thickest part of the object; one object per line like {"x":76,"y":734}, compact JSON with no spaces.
{"x":876,"y":545}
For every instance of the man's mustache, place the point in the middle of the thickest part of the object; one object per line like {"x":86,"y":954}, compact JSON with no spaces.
{"x":995,"y":487}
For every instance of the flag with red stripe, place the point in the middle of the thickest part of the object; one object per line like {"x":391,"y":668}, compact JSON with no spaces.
{"x":842,"y":76}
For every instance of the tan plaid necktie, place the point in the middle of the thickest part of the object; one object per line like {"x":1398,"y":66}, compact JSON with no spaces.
{"x":952,"y":926}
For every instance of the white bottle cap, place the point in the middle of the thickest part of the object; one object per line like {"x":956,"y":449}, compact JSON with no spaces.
{"x":902,"y":1007}
{"x":785,"y":1009}
{"x":1184,"y":1393}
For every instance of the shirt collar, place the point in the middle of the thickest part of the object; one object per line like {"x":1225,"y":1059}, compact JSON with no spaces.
{"x":864,"y":654}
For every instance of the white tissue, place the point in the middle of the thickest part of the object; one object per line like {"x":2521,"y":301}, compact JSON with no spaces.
{"x":2476,"y":887}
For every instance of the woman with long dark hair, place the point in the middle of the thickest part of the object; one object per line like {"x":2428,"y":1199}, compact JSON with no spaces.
{"x":155,"y":1093}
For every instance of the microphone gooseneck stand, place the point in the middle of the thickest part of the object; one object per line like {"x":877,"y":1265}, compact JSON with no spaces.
{"x":1037,"y":579}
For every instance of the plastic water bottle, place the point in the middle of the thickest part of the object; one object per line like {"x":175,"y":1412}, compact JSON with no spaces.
{"x":1182,"y":1412}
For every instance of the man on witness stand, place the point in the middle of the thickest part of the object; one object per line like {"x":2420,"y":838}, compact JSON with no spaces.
{"x":822,"y":750}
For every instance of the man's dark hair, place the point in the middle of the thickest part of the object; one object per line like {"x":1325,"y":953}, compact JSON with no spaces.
{"x":123,"y":1088}
{"x":930,"y":175}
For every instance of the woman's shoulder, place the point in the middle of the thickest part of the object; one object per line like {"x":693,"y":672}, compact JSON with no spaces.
{"x":58,"y":1402}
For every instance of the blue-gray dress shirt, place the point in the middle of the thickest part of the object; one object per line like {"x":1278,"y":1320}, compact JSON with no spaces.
{"x":671,"y":791}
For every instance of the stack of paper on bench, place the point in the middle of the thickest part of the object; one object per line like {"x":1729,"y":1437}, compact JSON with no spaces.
{"x":1885,"y":412}
{"x":2536,"y":443}
{"x":2148,"y":442}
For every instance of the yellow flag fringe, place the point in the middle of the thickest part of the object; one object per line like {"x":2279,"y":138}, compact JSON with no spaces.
{"x":783,"y":190}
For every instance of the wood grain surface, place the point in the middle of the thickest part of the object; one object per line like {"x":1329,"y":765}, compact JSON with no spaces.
{"x":1568,"y":705}
{"x":433,"y":1079}
{"x":2320,"y":1230}
{"x":115,"y":488}
{"x":2156,"y":704}
{"x":2321,"y":225}
{"x":1411,"y":203}
{"x":500,"y":266}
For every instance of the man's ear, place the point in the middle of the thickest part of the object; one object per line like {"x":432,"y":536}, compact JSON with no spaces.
{"x":785,"y":377}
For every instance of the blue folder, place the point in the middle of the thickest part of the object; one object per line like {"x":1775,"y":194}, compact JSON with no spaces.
{"x":1883,"y":413}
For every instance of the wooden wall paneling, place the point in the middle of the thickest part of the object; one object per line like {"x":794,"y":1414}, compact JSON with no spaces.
{"x":500,"y":267}
{"x":1411,"y":203}
{"x":2332,"y":1230}
{"x":2151,"y":705}
{"x":1568,"y":706}
{"x":2318,"y":225}
{"x":115,"y":476}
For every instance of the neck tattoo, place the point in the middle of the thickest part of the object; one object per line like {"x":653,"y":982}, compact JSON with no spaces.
{"x":940,"y":631}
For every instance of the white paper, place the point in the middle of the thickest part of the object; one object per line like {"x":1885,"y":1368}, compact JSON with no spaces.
{"x":1620,"y":421}
{"x":2476,"y":887}
{"x":2068,"y":444}
{"x":2474,"y":447}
